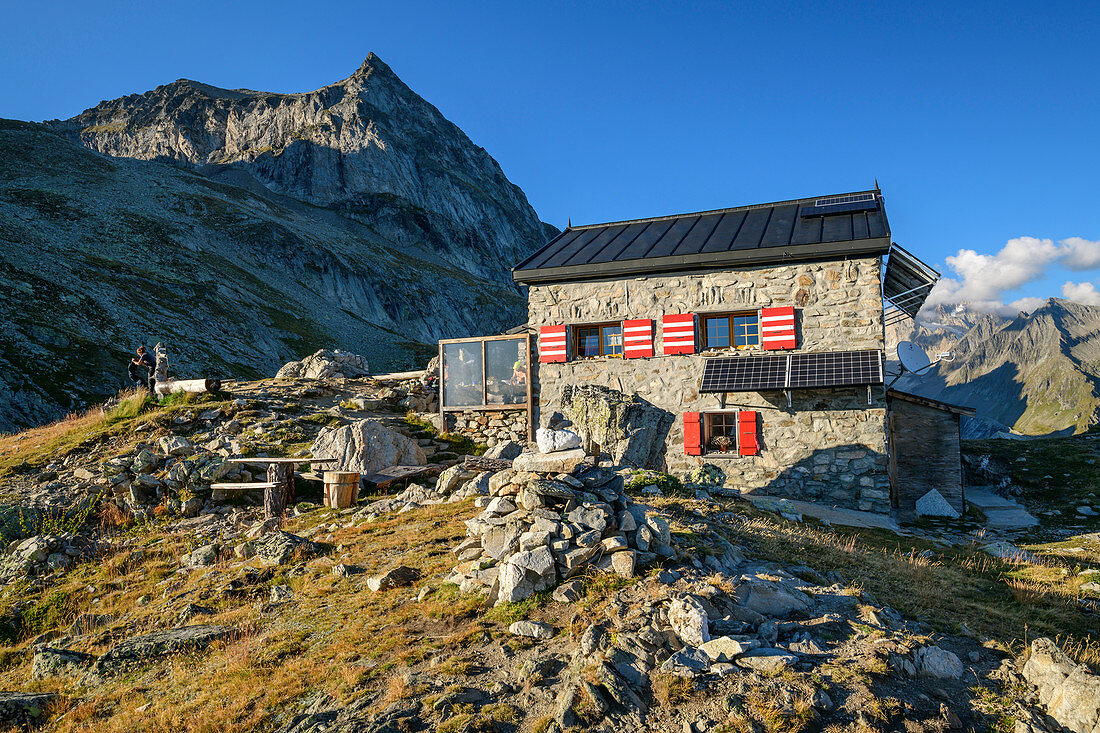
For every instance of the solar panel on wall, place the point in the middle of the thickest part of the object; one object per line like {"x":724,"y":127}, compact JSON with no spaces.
{"x":744,"y":374}
{"x":835,"y":369}
{"x":794,"y":371}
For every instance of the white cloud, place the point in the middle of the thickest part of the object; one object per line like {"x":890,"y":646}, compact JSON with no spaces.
{"x":983,"y":279}
{"x":1081,"y":292}
{"x":1026,"y":304}
{"x":1080,"y":254}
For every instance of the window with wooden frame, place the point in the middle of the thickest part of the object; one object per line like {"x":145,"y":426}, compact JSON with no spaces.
{"x":740,"y":330}
{"x":720,"y":432}
{"x":601,"y":339}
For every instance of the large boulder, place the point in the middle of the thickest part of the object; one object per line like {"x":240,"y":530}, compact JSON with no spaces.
{"x":367,"y":447}
{"x":627,"y":427}
{"x":1070,"y":692}
{"x":326,"y":364}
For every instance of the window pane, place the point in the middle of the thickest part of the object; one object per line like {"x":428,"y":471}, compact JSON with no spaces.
{"x":612,"y":339}
{"x":506,"y":372}
{"x":746,"y":330}
{"x":462,"y":374}
{"x":718,"y":332}
{"x":588,"y":341}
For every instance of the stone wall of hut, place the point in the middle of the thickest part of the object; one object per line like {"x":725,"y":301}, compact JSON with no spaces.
{"x":828,"y":445}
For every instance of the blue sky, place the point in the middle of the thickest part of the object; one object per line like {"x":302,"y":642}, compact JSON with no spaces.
{"x":979,"y":120}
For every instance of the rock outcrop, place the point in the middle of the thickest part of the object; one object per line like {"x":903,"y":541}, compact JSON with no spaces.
{"x":629,"y":429}
{"x":367,"y":447}
{"x":326,"y":364}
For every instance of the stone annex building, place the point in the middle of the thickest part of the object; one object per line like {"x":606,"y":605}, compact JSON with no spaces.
{"x":760,"y":331}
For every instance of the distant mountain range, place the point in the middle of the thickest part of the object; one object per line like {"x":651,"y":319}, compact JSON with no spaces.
{"x":1035,"y":374}
{"x":245,"y":229}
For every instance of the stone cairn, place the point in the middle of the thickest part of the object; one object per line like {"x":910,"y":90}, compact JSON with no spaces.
{"x":539,"y":529}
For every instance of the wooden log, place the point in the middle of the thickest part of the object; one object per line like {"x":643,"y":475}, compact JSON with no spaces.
{"x":169,"y":386}
{"x":275,"y":498}
{"x":341,"y":489}
{"x":242,"y":487}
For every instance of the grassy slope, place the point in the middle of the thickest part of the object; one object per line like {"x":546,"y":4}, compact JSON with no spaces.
{"x":340,"y":640}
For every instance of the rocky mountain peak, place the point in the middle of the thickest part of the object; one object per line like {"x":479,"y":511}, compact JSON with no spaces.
{"x":367,"y":146}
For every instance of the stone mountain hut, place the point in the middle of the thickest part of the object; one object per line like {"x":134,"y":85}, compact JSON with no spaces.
{"x":759,"y":331}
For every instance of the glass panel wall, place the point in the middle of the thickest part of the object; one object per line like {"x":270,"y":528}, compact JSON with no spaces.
{"x":506,"y":372}
{"x":485,"y":372}
{"x":462,"y":374}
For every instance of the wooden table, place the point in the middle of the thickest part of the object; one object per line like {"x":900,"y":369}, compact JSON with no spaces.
{"x":279,"y":488}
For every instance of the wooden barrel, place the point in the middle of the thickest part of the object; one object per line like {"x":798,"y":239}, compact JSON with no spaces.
{"x":341,"y":489}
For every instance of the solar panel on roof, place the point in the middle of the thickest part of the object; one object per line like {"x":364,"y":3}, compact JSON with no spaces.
{"x":793,"y":371}
{"x":744,"y":374}
{"x":835,"y":369}
{"x":845,"y":208}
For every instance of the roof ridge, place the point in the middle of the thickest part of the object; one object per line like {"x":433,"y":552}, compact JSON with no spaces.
{"x":726,"y":210}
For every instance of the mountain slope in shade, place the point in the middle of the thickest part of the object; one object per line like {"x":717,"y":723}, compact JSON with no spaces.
{"x":1037,"y":374}
{"x":100,"y":254}
{"x":367,"y":147}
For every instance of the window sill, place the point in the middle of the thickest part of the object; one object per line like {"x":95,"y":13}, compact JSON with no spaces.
{"x":729,"y":455}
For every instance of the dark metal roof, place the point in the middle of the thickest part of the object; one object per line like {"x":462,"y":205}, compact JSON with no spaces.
{"x":826,"y":227}
{"x":929,"y":402}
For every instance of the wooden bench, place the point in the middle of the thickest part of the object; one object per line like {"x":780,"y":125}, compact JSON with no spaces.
{"x":261,"y":486}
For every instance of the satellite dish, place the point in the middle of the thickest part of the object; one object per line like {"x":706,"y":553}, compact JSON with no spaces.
{"x":912,"y":357}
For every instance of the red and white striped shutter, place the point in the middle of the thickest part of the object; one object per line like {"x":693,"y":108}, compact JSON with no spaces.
{"x":552,"y":344}
{"x":679,"y":333}
{"x":637,"y":338}
{"x":693,"y":434}
{"x":747,"y":443}
{"x":777,"y":329}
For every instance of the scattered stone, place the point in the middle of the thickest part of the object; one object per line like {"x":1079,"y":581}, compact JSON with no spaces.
{"x":532,"y":629}
{"x":933,"y":661}
{"x":688,"y":619}
{"x":766,"y":661}
{"x":281,"y":594}
{"x":18,"y":708}
{"x":688,"y":662}
{"x":278,"y":547}
{"x":553,"y":441}
{"x":569,"y":591}
{"x":49,"y":662}
{"x":395,"y":578}
{"x":1070,"y":692}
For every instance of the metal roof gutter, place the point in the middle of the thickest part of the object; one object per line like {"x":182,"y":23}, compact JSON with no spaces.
{"x":709,"y":261}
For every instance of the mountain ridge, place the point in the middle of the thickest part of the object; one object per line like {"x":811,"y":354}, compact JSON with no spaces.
{"x":1036,"y":374}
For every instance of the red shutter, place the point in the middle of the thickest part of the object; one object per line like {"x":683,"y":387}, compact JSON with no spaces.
{"x":693,"y":434}
{"x":746,"y":433}
{"x":777,"y":329}
{"x":552,"y":344}
{"x":637,"y":338}
{"x":679,"y":333}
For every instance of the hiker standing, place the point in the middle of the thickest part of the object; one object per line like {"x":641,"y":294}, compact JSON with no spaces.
{"x":144,"y":359}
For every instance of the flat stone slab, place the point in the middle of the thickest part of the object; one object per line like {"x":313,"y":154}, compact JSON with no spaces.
{"x":162,"y":643}
{"x":832,"y":515}
{"x":1000,"y":511}
{"x":560,"y":462}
